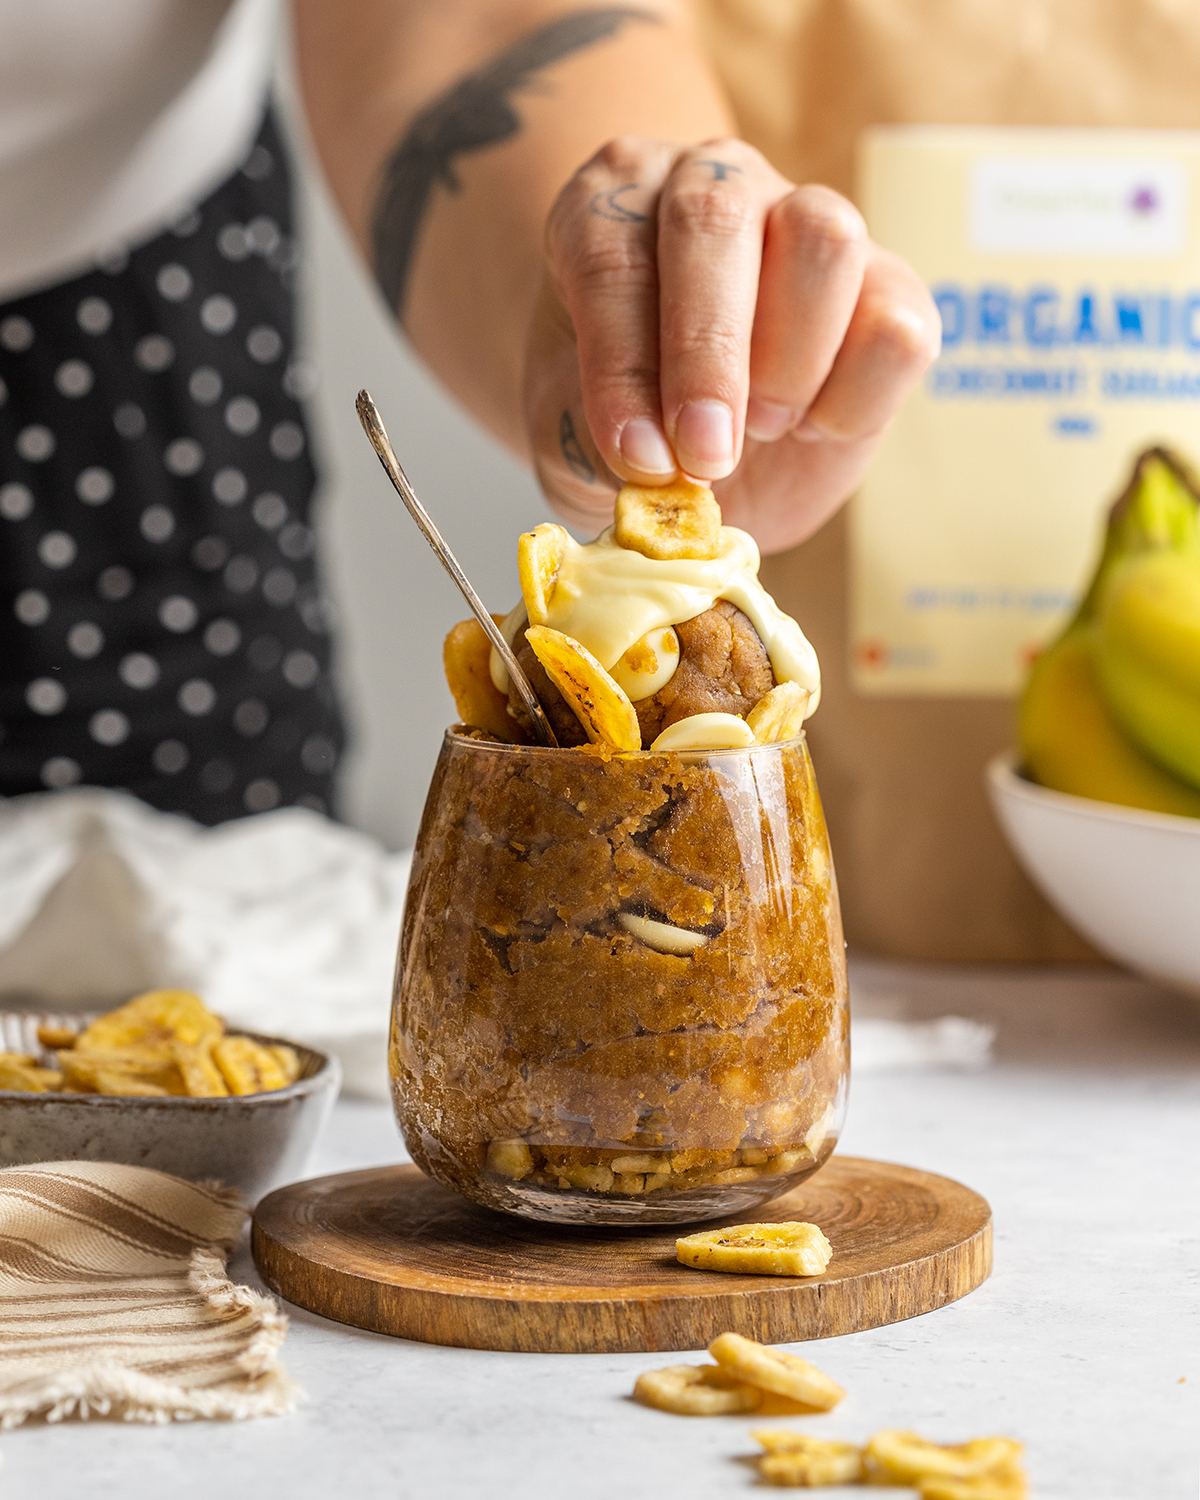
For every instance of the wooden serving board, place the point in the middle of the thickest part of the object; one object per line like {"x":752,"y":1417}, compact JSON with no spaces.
{"x":390,"y":1250}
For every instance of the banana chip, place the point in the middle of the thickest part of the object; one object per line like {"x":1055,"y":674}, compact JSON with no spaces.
{"x":907,"y":1458}
{"x":17,"y":1071}
{"x":135,"y":1069}
{"x":680,"y":520}
{"x":779,"y":714}
{"x":201,"y":1077}
{"x":247,"y":1066}
{"x":154,"y":1022}
{"x":788,"y":1249}
{"x":55,"y":1037}
{"x":794,"y":1458}
{"x":895,"y":1457}
{"x":775,"y":1370}
{"x":689,"y":1391}
{"x":1010,"y":1485}
{"x":607,"y":716}
{"x":466,"y":658}
{"x":540,"y":553}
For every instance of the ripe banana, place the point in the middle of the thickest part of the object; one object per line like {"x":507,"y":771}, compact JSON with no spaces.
{"x":1148,"y":657}
{"x":1111,"y":710}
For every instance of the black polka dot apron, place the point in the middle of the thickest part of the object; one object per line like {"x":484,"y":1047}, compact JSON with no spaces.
{"x":161,"y":624}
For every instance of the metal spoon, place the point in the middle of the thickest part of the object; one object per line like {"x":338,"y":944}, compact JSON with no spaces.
{"x":372,"y":423}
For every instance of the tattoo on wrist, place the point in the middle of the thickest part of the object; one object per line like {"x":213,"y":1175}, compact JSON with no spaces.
{"x":572,"y":450}
{"x":605,"y":206}
{"x":720,"y":169}
{"x":474,"y":113}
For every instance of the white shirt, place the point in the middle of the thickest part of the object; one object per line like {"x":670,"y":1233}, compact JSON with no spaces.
{"x":115,"y":116}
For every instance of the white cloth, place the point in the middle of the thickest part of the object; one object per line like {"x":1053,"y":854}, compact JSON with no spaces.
{"x":115,"y":118}
{"x":284,"y":923}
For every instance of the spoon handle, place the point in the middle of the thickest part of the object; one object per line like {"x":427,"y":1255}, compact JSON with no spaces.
{"x":372,"y":423}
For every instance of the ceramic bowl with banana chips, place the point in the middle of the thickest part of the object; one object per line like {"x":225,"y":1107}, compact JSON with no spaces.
{"x":252,"y":1142}
{"x":1128,"y":880}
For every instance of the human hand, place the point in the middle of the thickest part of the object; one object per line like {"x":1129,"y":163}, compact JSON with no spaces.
{"x":701,"y":313}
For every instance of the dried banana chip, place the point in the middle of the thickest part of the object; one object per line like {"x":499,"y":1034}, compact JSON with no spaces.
{"x":649,"y":664}
{"x":288,"y":1060}
{"x":787,"y":1249}
{"x":680,"y":520}
{"x":466,"y":658}
{"x":20,"y":1072}
{"x":779,"y":715}
{"x":607,"y":716}
{"x":111,"y":1081}
{"x":687,"y":1391}
{"x":775,"y":1370}
{"x":201,"y":1077}
{"x":705,"y":732}
{"x":897,"y":1457}
{"x":54,"y":1038}
{"x":247,"y":1066}
{"x":794,"y":1458}
{"x":540,"y":554}
{"x":1001,"y":1485}
{"x":83,"y":1069}
{"x":155,"y":1021}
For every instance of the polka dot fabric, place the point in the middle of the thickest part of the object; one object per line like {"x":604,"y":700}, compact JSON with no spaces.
{"x":161,"y":624}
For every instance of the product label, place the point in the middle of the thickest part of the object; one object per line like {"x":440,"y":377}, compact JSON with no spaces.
{"x":1066,"y":267}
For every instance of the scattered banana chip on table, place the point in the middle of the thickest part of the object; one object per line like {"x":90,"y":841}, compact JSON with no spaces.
{"x":794,"y":1458}
{"x":166,"y":1043}
{"x":784,"y":1249}
{"x":604,"y":710}
{"x":728,"y":1387}
{"x":775,"y":1370}
{"x":984,"y":1469}
{"x":685,"y":1390}
{"x":680,"y":520}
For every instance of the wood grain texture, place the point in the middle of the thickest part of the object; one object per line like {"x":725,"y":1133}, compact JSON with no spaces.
{"x":389,"y":1250}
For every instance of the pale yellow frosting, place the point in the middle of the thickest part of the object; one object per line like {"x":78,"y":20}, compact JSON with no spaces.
{"x":608,"y":597}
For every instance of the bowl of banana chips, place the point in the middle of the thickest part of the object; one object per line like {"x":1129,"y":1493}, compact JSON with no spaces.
{"x":160,"y":1082}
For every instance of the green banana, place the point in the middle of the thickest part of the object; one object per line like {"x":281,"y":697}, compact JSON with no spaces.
{"x":1111,"y":710}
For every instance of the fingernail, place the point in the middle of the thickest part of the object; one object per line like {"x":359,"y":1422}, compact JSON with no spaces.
{"x":767,"y":420}
{"x":704,"y":438}
{"x":643,"y":447}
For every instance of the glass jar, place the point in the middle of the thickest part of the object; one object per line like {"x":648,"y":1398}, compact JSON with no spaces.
{"x":621,"y":994}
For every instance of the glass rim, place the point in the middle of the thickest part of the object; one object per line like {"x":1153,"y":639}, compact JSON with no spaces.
{"x":455,"y":736}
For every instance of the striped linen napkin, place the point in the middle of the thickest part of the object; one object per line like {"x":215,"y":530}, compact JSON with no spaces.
{"x":114,"y":1300}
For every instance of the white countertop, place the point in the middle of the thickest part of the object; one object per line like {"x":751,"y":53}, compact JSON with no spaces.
{"x":1085,"y":1137}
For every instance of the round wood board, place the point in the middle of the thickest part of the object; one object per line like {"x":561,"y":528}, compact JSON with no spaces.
{"x":390,"y":1250}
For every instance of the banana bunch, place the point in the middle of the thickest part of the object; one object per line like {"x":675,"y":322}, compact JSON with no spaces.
{"x":1111,"y":710}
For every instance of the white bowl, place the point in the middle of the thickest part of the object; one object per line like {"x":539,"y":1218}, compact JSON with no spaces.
{"x":1128,"y":880}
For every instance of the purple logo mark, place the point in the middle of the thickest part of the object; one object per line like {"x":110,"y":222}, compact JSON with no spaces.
{"x":1144,"y":200}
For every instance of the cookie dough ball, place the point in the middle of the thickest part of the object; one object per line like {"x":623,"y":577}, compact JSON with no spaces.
{"x":723,"y":668}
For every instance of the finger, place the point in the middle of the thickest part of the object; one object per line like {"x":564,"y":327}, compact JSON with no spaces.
{"x":893,"y":337}
{"x":601,"y":250}
{"x":710,"y":226}
{"x":814,"y":257}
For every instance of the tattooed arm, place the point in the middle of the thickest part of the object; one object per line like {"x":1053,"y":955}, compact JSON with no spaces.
{"x":661,"y":305}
